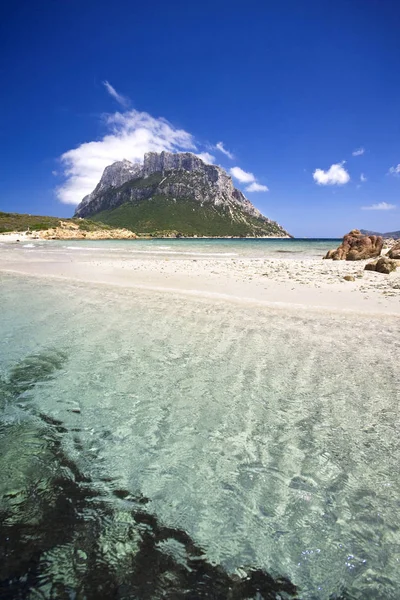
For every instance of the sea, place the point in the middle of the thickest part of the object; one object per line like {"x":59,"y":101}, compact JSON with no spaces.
{"x":297,"y":248}
{"x":165,"y":446}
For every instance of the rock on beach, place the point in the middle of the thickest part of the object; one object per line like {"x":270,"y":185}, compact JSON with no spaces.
{"x":356,"y":246}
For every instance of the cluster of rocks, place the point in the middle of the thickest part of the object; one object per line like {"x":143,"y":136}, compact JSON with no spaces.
{"x":394,"y":251}
{"x":357,"y":246}
{"x":72,"y":231}
{"x":382,"y":265}
{"x":61,"y":233}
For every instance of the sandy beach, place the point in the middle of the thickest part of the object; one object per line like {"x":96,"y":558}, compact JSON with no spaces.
{"x":200,"y":301}
{"x":312,"y":283}
{"x":250,"y":399}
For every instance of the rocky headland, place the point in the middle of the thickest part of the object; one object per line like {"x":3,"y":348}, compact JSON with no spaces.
{"x":175,"y":192}
{"x":15,"y":227}
{"x":72,"y":231}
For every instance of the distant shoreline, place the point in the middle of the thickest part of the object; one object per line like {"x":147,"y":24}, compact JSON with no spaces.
{"x":48,"y":235}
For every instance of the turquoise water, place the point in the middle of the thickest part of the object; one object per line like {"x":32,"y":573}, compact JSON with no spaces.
{"x":188,"y":248}
{"x":269,"y":437}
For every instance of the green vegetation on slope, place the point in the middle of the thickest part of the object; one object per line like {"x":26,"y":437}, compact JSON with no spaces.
{"x":163,"y":214}
{"x":21,"y":222}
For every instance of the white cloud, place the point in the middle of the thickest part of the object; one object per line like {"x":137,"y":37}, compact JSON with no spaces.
{"x":241,"y":175}
{"x":395,"y":170}
{"x":206,"y":157}
{"x":363,"y":179}
{"x":130,"y":135}
{"x":335,"y":175}
{"x":122,"y":100}
{"x":245,"y":177}
{"x":380,"y":206}
{"x":221,"y":148}
{"x":256,"y":187}
{"x":358,"y":152}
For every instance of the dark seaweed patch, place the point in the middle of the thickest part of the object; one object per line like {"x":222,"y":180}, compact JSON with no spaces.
{"x":61,"y":536}
{"x":76,"y":530}
{"x":33,"y":369}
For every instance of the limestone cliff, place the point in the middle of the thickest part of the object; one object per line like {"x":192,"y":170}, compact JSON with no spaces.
{"x":175,"y":186}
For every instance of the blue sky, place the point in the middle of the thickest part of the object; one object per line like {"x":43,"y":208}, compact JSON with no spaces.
{"x":291,"y":88}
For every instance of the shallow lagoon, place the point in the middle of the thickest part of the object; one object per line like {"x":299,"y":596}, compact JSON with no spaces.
{"x":307,"y":248}
{"x":269,"y":436}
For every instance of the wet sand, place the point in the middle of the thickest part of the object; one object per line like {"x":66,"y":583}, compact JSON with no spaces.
{"x":282,"y":282}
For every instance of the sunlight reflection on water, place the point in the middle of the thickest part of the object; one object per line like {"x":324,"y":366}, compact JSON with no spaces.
{"x":268,"y":436}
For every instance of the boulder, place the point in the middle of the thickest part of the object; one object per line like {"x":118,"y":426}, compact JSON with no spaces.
{"x":382,"y":265}
{"x":394,"y":251}
{"x":349,"y":278}
{"x":356,"y":246}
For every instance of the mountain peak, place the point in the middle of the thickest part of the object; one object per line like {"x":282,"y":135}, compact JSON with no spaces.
{"x":173,"y":178}
{"x":118,"y":173}
{"x":167,"y":161}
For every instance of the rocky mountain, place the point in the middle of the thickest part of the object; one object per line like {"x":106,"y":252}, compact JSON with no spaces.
{"x":395,"y":235}
{"x":113,"y":176}
{"x":174,"y":193}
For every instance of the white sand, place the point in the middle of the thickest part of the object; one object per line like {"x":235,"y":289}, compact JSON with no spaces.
{"x":304,"y":283}
{"x":22,"y":236}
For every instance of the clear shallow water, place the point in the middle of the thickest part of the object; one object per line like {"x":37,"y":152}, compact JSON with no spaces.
{"x":187,"y":248}
{"x":270,"y":438}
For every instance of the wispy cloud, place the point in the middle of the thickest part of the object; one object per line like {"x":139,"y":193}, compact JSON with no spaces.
{"x":221,"y":148}
{"x":358,"y":152}
{"x":122,"y":100}
{"x":130,"y":135}
{"x":335,"y":175}
{"x":256,"y":187}
{"x":206,"y":157}
{"x":363,"y":179}
{"x":246,"y":177}
{"x":242,"y":176}
{"x":395,"y":170}
{"x":380,"y":206}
